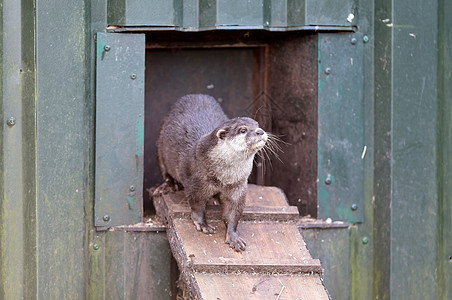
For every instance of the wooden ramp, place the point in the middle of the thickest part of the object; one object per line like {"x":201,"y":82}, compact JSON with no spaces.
{"x":275,"y":265}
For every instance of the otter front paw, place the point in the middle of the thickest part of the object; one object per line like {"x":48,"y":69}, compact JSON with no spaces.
{"x":235,"y":242}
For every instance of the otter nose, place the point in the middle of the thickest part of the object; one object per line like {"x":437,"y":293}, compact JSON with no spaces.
{"x":260,"y":131}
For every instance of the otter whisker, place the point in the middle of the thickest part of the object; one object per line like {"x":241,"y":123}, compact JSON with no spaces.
{"x":263,"y":155}
{"x":260,"y":159}
{"x":272,"y":147}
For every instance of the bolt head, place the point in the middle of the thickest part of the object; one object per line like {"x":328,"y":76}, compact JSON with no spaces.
{"x":133,"y":76}
{"x":106,"y":218}
{"x":96,"y":246}
{"x":365,"y":240}
{"x":327,"y":71}
{"x":353,"y":41}
{"x":132,"y":188}
{"x":328,"y":179}
{"x":11,"y":122}
{"x":107,"y":48}
{"x":354,"y":207}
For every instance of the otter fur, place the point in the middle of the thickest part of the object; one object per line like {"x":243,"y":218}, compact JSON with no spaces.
{"x":211,"y":156}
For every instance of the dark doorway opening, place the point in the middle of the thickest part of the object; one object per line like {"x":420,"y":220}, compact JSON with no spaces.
{"x":271,"y":77}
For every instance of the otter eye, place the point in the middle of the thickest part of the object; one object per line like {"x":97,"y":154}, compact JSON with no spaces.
{"x":243,"y":130}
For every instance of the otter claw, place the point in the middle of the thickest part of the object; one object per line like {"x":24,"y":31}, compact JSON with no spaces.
{"x":236,"y":242}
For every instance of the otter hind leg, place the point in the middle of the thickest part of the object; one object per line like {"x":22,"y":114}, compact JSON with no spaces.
{"x":168,"y":186}
{"x":198,"y":215}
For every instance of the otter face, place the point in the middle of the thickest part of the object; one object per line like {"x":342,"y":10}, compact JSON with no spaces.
{"x":242,"y":135}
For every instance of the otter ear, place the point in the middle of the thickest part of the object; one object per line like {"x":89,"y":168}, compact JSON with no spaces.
{"x":221,"y":134}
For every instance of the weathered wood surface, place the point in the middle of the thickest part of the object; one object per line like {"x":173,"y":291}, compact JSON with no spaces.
{"x":260,"y":286}
{"x":275,"y":262}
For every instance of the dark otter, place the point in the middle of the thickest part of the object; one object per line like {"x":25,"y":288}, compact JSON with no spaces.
{"x":210,"y":155}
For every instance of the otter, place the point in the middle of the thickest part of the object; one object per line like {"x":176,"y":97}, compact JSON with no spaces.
{"x":210,"y":156}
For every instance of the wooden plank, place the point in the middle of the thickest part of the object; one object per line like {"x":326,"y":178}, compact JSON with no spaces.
{"x":212,"y":270}
{"x":265,"y":196}
{"x":262,"y":204}
{"x":265,"y":241}
{"x":231,"y":265}
{"x":260,"y":286}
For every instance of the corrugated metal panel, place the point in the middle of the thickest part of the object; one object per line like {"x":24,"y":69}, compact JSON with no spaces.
{"x":197,"y":15}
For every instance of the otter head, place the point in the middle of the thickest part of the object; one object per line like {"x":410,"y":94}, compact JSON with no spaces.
{"x":243,"y":136}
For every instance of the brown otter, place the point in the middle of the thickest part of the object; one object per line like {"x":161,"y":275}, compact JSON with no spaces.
{"x":210,"y":155}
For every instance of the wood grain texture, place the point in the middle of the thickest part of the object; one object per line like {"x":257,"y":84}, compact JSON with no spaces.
{"x":265,"y":241}
{"x":262,"y":204}
{"x":260,"y":286}
{"x":276,"y":262}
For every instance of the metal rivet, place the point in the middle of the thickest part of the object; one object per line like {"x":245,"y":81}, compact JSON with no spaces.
{"x":132,"y":188}
{"x":354,"y":206}
{"x":11,"y":122}
{"x":328,"y":179}
{"x":107,"y":48}
{"x":133,"y":76}
{"x":353,"y":41}
{"x":96,"y":246}
{"x":365,"y":240}
{"x":106,"y":218}
{"x":365,"y":39}
{"x":327,"y":71}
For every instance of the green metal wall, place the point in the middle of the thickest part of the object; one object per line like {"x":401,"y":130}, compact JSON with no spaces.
{"x":401,"y":250}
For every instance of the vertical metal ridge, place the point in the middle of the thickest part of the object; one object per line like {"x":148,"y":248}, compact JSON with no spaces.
{"x":12,"y":202}
{"x":383,"y":150}
{"x":29,"y":143}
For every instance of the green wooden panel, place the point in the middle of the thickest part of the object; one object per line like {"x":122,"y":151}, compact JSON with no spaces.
{"x":330,"y":12}
{"x":61,"y":146}
{"x":332,"y":247}
{"x":129,"y":265}
{"x":17,"y":152}
{"x":144,"y":12}
{"x":11,"y":201}
{"x":361,"y":255}
{"x":341,"y":146}
{"x":241,"y":13}
{"x":445,"y":152}
{"x":119,"y":129}
{"x":414,"y":201}
{"x":408,"y":207}
{"x":195,"y":15}
{"x":382,"y":141}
